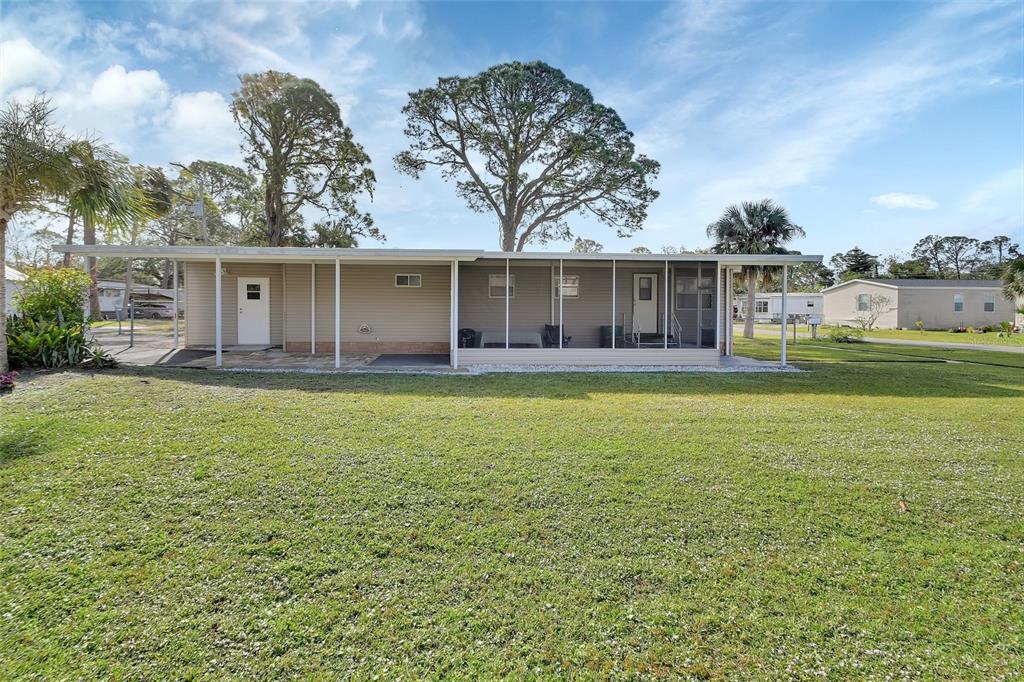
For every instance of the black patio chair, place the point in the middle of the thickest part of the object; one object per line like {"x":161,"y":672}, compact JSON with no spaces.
{"x":551,"y":332}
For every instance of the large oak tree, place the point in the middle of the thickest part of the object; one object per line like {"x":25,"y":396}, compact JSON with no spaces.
{"x":297,"y":143}
{"x":531,"y":146}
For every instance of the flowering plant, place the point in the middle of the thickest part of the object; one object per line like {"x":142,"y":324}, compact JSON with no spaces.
{"x":7,"y":380}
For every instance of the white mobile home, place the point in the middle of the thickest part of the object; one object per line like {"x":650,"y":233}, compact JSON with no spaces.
{"x":768,"y":306}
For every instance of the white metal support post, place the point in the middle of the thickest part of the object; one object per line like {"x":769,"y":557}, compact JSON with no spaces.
{"x":454,"y":313}
{"x":174,"y":283}
{"x":718,"y":308}
{"x":728,"y":315}
{"x":284,"y":306}
{"x":312,"y":308}
{"x":507,"y":287}
{"x":561,"y":308}
{"x":665,"y":327}
{"x":337,"y":313}
{"x":613,"y":305}
{"x":785,"y":285}
{"x":217,"y":312}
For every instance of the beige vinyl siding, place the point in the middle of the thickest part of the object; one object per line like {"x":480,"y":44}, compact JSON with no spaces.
{"x":840,"y":305}
{"x":534,"y":305}
{"x":934,"y":307}
{"x":369,"y":297}
{"x":200,"y":327}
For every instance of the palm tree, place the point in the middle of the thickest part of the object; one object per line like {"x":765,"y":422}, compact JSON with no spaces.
{"x":105,"y":193}
{"x":1013,"y":283}
{"x":755,"y":227}
{"x":34,"y":170}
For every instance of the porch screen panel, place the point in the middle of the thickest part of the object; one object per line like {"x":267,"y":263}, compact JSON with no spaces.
{"x":687,"y":301}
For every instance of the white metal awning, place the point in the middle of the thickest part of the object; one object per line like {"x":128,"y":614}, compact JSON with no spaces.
{"x":306,"y":255}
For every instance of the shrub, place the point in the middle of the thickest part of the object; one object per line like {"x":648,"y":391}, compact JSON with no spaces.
{"x":845,"y":335}
{"x":920,"y":325}
{"x":49,"y":292}
{"x":41,"y":342}
{"x":50,"y":329}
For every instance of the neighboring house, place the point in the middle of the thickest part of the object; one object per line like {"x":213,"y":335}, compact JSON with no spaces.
{"x":503,"y":308}
{"x":768,"y":307}
{"x":149,"y":301}
{"x":937,"y":303}
{"x":13,"y":279}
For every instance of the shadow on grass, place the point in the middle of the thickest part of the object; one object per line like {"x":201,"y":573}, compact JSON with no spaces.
{"x":17,"y":441}
{"x":910,"y":379}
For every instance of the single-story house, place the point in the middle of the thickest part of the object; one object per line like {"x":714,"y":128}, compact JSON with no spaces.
{"x":13,"y":281}
{"x":937,"y":303}
{"x":768,"y":306}
{"x":477,"y":307}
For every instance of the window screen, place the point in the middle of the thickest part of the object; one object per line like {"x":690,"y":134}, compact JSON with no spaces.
{"x":571,"y":283}
{"x":990,"y":303}
{"x":496,"y":286}
{"x":863,"y":302}
{"x":408,"y":280}
{"x":958,"y":303}
{"x":686,"y":291}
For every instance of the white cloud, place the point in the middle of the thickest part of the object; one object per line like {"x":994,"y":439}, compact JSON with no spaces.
{"x":200,"y":125}
{"x":782,"y":121}
{"x":893,"y":200}
{"x":123,"y":90}
{"x":23,"y":64}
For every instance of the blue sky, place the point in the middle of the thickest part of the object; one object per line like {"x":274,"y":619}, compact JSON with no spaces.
{"x":873,"y":123}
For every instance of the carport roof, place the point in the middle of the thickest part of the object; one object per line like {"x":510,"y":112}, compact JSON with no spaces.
{"x":287,"y":253}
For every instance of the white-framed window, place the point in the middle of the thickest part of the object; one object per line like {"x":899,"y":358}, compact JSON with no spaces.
{"x":496,"y":286}
{"x":990,"y":303}
{"x":958,"y":303}
{"x":761,"y":306}
{"x":863,"y":303}
{"x":408,"y":280}
{"x":571,"y":284}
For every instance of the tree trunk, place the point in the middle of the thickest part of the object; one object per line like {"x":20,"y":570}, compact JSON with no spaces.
{"x":3,"y":294}
{"x":166,"y":278}
{"x":89,"y":238}
{"x":70,"y":238}
{"x":273,"y":208}
{"x":748,"y":319}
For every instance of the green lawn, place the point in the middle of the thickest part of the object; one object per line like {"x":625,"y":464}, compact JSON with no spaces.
{"x":190,"y":524}
{"x":987,"y":339}
{"x":821,"y":350}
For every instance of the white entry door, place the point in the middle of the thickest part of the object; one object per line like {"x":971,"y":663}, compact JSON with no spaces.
{"x":253,"y":311}
{"x":645,"y":302}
